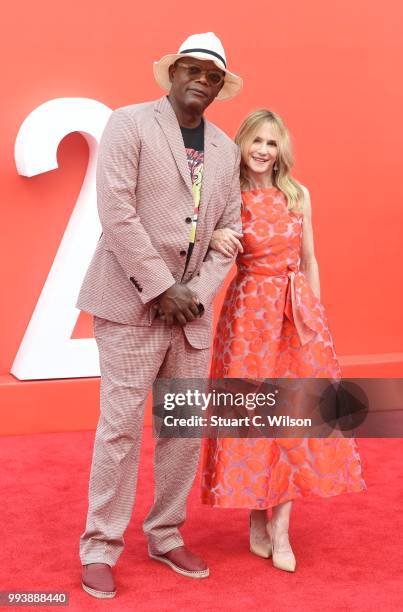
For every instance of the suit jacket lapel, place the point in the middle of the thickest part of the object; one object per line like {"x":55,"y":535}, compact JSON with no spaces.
{"x":166,"y":117}
{"x":211,"y":155}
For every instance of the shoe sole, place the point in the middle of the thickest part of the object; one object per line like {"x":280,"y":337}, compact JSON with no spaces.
{"x":190,"y":574}
{"x":98,"y":594}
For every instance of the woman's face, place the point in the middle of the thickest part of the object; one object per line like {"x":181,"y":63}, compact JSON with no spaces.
{"x":262,"y":152}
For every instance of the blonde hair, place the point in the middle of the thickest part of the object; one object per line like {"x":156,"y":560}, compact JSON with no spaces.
{"x":281,"y":177}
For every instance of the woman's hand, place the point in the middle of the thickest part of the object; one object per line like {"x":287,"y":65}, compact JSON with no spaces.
{"x":226,"y":241}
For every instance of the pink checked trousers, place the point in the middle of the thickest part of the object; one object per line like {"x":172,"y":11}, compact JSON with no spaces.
{"x":131,"y":358}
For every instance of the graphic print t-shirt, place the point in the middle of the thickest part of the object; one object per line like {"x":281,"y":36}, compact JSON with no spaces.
{"x":193,"y":139}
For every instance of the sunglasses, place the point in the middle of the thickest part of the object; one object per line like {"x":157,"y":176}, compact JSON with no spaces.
{"x":213,"y":77}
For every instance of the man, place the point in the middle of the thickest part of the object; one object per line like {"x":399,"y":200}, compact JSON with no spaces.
{"x":166,"y":178}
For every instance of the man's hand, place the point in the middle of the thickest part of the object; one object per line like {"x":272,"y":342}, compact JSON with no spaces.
{"x":225,"y":241}
{"x":178,"y":303}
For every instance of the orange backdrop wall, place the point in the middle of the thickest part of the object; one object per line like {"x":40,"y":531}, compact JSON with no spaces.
{"x":332,"y":70}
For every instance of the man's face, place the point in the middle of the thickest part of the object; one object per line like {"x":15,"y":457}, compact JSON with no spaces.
{"x":194,"y":83}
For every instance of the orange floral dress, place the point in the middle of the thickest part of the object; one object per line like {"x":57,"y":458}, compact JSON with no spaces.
{"x":273,"y":326}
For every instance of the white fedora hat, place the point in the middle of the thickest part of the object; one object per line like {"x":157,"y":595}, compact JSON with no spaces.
{"x":205,"y":46}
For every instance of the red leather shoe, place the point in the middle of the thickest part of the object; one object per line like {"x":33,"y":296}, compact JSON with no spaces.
{"x":184,"y":562}
{"x":97,"y":580}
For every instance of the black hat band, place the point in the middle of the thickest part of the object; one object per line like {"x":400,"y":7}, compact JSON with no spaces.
{"x":205,"y":51}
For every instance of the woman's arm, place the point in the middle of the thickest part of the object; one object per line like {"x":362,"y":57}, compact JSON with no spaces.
{"x":309,"y":265}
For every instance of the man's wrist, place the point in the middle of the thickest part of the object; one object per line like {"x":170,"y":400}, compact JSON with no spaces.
{"x":163,"y":293}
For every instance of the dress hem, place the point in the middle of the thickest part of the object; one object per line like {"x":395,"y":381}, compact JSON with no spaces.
{"x":282,"y":501}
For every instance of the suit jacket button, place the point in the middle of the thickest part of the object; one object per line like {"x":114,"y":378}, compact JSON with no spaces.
{"x":188,"y":219}
{"x":182,"y":252}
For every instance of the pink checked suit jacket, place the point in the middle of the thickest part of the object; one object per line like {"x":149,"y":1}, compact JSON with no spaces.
{"x":145,"y":199}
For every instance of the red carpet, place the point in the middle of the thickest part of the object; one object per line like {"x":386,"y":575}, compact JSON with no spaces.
{"x":348,"y":548}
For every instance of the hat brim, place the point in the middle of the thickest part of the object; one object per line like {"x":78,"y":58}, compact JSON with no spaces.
{"x":232,"y":83}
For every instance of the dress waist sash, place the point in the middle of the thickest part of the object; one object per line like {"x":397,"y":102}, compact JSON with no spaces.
{"x":300,"y":305}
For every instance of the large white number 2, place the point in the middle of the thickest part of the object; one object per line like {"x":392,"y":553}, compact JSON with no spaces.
{"x":47,"y":350}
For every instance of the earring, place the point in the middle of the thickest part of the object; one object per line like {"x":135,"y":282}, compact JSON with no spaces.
{"x":275,"y":167}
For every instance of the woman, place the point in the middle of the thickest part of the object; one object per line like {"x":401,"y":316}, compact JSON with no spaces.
{"x":272,"y":325}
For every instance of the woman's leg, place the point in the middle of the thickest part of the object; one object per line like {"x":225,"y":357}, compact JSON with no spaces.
{"x":283,"y":557}
{"x":260,"y":543}
{"x":280,"y":518}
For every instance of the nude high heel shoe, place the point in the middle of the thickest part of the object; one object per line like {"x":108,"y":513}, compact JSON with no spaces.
{"x":259,"y":541}
{"x":282,"y":559}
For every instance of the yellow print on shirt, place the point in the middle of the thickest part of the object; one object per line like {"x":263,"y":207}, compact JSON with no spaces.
{"x":195,"y":162}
